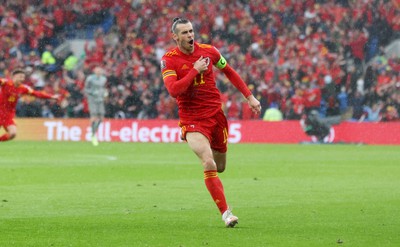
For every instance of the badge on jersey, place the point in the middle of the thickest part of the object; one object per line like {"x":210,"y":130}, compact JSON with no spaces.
{"x":163,"y":64}
{"x":207,"y":61}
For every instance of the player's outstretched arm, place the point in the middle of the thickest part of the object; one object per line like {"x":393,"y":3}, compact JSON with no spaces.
{"x":44,"y":95}
{"x":55,"y":97}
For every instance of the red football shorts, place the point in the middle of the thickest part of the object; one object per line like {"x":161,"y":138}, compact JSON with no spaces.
{"x":214,"y":128}
{"x":7,"y":122}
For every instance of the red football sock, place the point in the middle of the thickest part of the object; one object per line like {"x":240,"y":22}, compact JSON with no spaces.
{"x":216,"y":189}
{"x":4,"y":137}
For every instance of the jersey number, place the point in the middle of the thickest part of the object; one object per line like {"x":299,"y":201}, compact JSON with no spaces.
{"x":11,"y":99}
{"x":198,"y":81}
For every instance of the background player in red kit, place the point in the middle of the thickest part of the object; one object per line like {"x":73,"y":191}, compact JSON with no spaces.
{"x":10,"y":91}
{"x":187,"y":72}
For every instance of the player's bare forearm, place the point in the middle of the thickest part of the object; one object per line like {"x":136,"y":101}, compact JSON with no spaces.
{"x":55,"y":97}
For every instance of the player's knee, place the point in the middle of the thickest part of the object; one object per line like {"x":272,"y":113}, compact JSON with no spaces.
{"x":11,"y":135}
{"x":220,"y":168}
{"x":209,"y":164}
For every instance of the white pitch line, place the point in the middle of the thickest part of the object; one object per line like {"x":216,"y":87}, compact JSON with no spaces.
{"x":94,"y":156}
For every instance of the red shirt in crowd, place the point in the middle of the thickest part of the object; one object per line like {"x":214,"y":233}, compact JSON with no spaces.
{"x":357,"y":46}
{"x":312,"y":97}
{"x":298,"y":102}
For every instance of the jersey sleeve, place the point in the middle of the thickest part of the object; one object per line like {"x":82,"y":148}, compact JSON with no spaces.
{"x":24,"y":89}
{"x":174,"y":86}
{"x":232,"y":75}
{"x":28,"y":90}
{"x":236,"y":80}
{"x":41,"y":95}
{"x":220,"y":60}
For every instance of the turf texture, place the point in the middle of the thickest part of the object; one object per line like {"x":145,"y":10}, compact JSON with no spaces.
{"x":152,"y":194}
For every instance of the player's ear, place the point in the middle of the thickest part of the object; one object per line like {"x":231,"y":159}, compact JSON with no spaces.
{"x":175,"y":36}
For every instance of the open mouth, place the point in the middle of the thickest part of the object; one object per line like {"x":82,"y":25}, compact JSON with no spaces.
{"x":191,"y":42}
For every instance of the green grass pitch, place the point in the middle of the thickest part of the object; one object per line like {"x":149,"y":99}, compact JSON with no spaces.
{"x":136,"y":194}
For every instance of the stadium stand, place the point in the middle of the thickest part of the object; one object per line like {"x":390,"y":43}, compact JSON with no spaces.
{"x":338,"y":57}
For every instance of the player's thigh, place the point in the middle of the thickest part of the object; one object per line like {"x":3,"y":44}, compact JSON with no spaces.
{"x":101,"y":110}
{"x":92,"y":108}
{"x":200,"y":145}
{"x":220,"y":134}
{"x":97,"y":111}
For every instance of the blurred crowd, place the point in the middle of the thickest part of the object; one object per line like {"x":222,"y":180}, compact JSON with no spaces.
{"x":296,"y":56}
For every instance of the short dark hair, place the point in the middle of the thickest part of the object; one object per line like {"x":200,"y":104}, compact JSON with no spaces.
{"x":18,"y":71}
{"x":176,"y":21}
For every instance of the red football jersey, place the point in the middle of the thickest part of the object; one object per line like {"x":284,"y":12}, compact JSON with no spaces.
{"x":9,"y":95}
{"x":202,"y":99}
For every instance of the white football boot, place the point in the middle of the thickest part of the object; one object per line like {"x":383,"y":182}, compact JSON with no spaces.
{"x":229,"y":219}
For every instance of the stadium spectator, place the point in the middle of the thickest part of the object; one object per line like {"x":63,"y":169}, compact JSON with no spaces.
{"x":48,"y":59}
{"x":312,"y":97}
{"x":187,"y":72}
{"x":273,"y":114}
{"x":372,"y":113}
{"x":315,"y":127}
{"x":267,"y":42}
{"x":149,"y":110}
{"x":343,"y":100}
{"x":234,"y":107}
{"x":70,"y":63}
